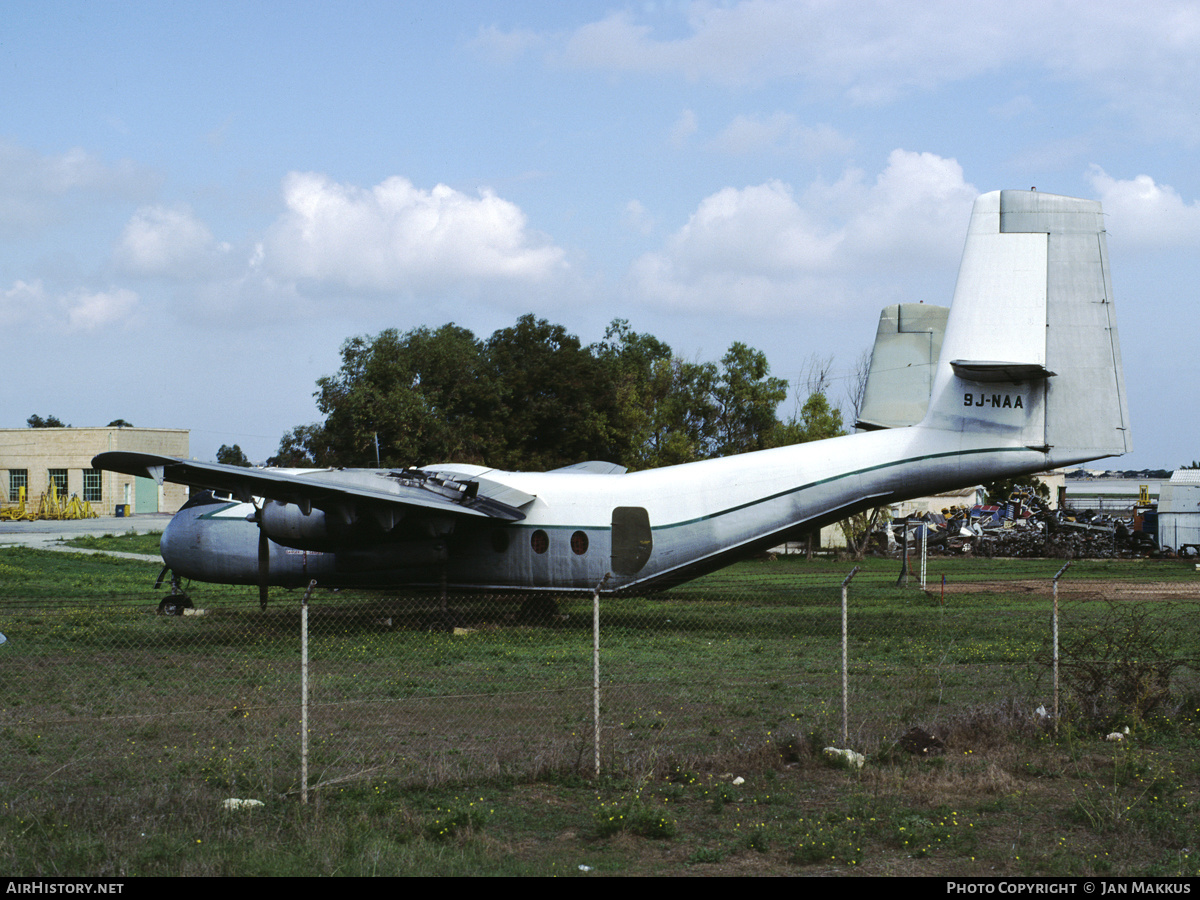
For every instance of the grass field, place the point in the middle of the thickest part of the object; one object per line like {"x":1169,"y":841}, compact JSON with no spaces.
{"x":122,"y":732}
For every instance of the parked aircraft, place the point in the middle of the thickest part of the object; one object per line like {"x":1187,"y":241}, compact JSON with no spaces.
{"x":1028,"y":379}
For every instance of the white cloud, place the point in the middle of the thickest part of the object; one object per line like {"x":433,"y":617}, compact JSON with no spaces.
{"x":167,"y":241}
{"x":749,"y":248}
{"x":33,"y":186}
{"x":88,"y":311}
{"x":1140,"y":59}
{"x":763,"y":249}
{"x":506,"y":46}
{"x":395,"y":236}
{"x":783,"y":133}
{"x":29,"y":304}
{"x":1142,"y":212}
{"x":868,"y":48}
{"x":23,"y":303}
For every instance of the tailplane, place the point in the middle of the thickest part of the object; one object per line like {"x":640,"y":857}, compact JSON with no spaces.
{"x":1031,"y":353}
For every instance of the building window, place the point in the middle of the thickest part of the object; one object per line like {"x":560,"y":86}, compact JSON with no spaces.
{"x":91,"y":485}
{"x":58,"y":478}
{"x":17,"y":479}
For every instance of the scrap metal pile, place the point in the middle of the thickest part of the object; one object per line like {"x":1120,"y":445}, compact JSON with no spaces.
{"x":1025,"y":526}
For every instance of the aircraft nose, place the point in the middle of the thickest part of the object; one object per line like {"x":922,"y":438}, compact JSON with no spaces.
{"x":175,"y":539}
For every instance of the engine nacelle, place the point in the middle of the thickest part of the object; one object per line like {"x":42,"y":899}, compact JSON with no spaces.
{"x":286,"y":524}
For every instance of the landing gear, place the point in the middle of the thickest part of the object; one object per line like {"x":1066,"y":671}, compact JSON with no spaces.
{"x":174,"y":605}
{"x":176,"y":601}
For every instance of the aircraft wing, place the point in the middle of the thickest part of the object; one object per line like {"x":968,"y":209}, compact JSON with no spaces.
{"x":331,"y":490}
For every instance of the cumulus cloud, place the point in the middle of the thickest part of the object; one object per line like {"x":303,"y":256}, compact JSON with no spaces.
{"x":89,"y":311}
{"x":1142,"y":212}
{"x":764,"y":249}
{"x":167,"y":241}
{"x":31,"y":304}
{"x":396,"y":236}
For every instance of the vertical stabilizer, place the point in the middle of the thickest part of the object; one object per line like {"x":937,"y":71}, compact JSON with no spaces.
{"x":1031,"y":353}
{"x":904,"y":359}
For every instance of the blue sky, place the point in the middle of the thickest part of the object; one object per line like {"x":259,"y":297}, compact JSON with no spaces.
{"x":199,"y":203}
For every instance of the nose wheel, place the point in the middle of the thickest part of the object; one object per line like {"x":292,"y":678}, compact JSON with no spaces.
{"x":176,"y":601}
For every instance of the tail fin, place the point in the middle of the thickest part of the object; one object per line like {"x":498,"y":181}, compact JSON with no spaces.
{"x":903,"y":362}
{"x":1031,"y":353}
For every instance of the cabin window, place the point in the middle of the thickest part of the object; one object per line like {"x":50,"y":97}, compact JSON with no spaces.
{"x":499,"y":540}
{"x":579,"y":543}
{"x":539,"y":541}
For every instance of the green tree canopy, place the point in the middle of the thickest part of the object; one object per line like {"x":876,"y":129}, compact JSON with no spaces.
{"x":425,"y":395}
{"x":304,"y":447}
{"x":232,"y":456}
{"x":532,"y":396}
{"x":36,"y":421}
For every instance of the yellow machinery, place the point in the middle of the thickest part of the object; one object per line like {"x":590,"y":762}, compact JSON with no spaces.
{"x":51,"y":506}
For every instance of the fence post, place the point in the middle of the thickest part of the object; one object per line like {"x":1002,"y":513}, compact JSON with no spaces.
{"x":1057,"y":576}
{"x":304,"y":693}
{"x":596,"y":676}
{"x":924,"y":552}
{"x":846,"y":661}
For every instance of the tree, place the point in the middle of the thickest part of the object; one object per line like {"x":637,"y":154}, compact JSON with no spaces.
{"x":119,"y":423}
{"x":425,"y":396}
{"x":665,"y":413}
{"x":533,"y":397}
{"x":747,"y":398}
{"x":558,"y":400}
{"x":36,"y":421}
{"x":232,"y":456}
{"x":304,"y":447}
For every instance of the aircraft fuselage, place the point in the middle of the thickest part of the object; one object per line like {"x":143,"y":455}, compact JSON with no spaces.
{"x":618,"y":532}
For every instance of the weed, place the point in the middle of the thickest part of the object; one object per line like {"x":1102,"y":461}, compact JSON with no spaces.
{"x":702,"y":855}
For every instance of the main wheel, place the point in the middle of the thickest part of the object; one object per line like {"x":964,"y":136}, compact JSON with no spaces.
{"x":174,"y":605}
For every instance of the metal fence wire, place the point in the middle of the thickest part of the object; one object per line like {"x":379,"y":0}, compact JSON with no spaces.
{"x":743,"y":663}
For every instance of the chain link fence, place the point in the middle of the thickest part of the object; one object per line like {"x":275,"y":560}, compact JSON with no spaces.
{"x":744,"y":663}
